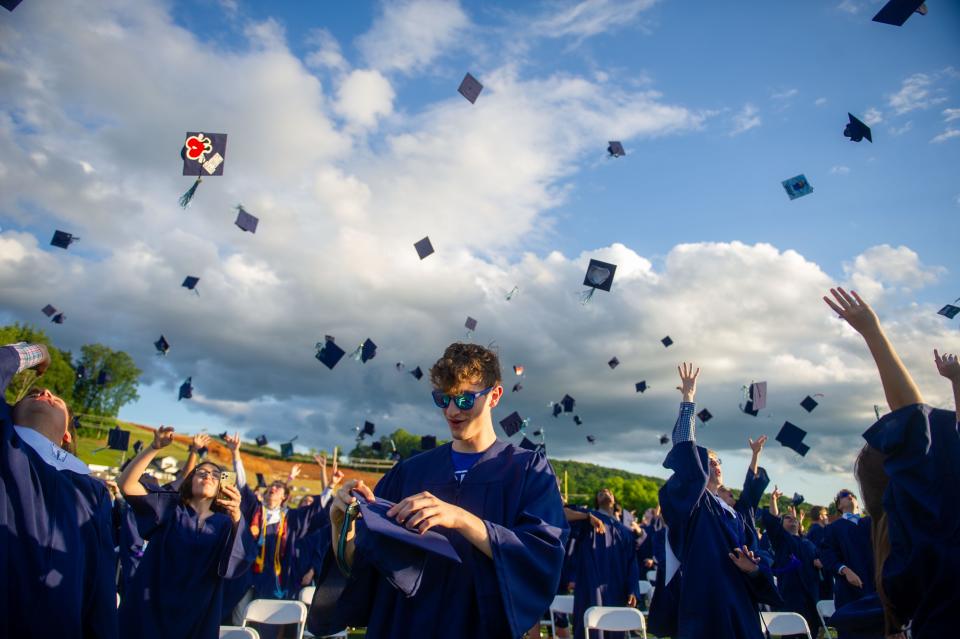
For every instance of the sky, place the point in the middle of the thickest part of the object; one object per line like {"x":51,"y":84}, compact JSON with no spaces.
{"x":349,"y":141}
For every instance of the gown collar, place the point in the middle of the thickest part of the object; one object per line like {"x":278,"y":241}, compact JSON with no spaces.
{"x":50,"y":453}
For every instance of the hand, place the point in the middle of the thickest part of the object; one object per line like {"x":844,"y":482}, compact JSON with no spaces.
{"x":854,"y":310}
{"x":113,"y":488}
{"x":757,"y":446}
{"x":852,"y":577}
{"x":632,"y":601}
{"x":307,"y":578}
{"x":343,"y":498}
{"x":947,"y":365}
{"x":230,"y":502}
{"x":294,"y":473}
{"x":818,"y":564}
{"x":321,"y":461}
{"x":688,"y":381}
{"x":44,"y":362}
{"x":571,"y":586}
{"x":162,"y":437}
{"x":200,"y":440}
{"x":648,"y":564}
{"x":337,"y":478}
{"x":423,"y":511}
{"x":597,"y":524}
{"x":745,"y":560}
{"x":233,"y":443}
{"x":776,"y":494}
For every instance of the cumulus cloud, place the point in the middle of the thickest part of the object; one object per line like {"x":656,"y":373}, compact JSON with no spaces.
{"x":900,"y":130}
{"x":872,"y":116}
{"x":590,"y":17}
{"x":410,"y":34}
{"x":745,"y":119}
{"x":884,"y":267}
{"x":917,"y":91}
{"x":949,"y":134}
{"x":949,"y":115}
{"x":364,"y":96}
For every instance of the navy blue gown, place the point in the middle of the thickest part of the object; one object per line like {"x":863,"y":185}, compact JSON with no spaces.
{"x":749,"y":501}
{"x":514,"y":491}
{"x":921,"y":577}
{"x":797,"y":578}
{"x":56,"y":541}
{"x":846,"y":543}
{"x":605,"y":571}
{"x":816,"y":534}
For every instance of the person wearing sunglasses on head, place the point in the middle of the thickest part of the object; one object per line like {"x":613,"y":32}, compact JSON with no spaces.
{"x":496,"y":503}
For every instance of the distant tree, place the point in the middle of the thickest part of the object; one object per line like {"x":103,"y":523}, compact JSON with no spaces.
{"x":60,"y":376}
{"x":407,"y":444}
{"x":120,"y":387}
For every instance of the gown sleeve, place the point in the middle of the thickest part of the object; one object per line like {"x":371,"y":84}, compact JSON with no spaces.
{"x":101,"y":620}
{"x":309,"y":519}
{"x":774,"y":527}
{"x":830,"y":555}
{"x":239,"y":550}
{"x":753,"y":486}
{"x":153,"y":510}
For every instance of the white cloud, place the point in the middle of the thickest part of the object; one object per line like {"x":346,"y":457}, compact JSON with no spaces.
{"x":590,"y":17}
{"x":900,"y":130}
{"x":872,"y":116}
{"x":747,"y":118}
{"x":883,"y":268}
{"x":410,"y":34}
{"x":364,"y":96}
{"x":949,"y":134}
{"x":325,"y":52}
{"x":949,"y":115}
{"x":820,"y":101}
{"x":849,"y":6}
{"x":840,"y":170}
{"x":916,"y":92}
{"x":785,"y":94}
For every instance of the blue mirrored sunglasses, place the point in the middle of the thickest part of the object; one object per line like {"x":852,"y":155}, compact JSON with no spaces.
{"x":463,"y":401}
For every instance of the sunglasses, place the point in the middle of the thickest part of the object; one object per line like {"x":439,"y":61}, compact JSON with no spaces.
{"x":203,"y":474}
{"x":844,"y":494}
{"x":463,"y":401}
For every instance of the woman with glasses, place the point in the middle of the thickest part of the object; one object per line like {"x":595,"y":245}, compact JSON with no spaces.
{"x":197,"y":537}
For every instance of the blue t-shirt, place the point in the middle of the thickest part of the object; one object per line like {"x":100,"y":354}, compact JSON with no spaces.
{"x":462,"y":463}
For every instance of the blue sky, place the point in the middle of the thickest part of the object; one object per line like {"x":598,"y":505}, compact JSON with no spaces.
{"x":348,"y":139}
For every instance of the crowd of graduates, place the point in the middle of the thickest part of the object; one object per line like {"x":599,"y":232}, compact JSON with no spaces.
{"x":472,"y":539}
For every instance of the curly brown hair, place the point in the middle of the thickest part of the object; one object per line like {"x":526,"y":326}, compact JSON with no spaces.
{"x":465,"y":364}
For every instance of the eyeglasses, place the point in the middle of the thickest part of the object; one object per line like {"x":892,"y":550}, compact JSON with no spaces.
{"x":844,"y":494}
{"x":716,"y":461}
{"x":203,"y":474}
{"x":463,"y":401}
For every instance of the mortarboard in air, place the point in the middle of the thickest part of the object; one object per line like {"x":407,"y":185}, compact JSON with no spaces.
{"x":137,"y":446}
{"x":557,"y":409}
{"x":48,"y":310}
{"x":577,"y":420}
{"x":261,"y":481}
{"x":58,"y":318}
{"x":103,"y":377}
{"x":599,"y":276}
{"x":190,"y":282}
{"x":529,"y":445}
{"x":470,"y":324}
{"x":949,"y":311}
{"x":797,"y":186}
{"x":591,"y":439}
{"x":568,"y":403}
{"x":641,"y":386}
{"x":664,"y":439}
{"x":538,"y":432}
{"x":365,"y":352}
{"x":203,"y":154}
{"x":329,"y":353}
{"x":286,"y":449}
{"x":857,"y":130}
{"x":376,"y":446}
{"x":62,"y":239}
{"x":756,"y":398}
{"x":417,"y":373}
{"x":261,"y":440}
{"x":428,"y":442}
{"x":792,"y":437}
{"x":470,"y":88}
{"x":186,"y":389}
{"x":797,"y":499}
{"x":162,"y":345}
{"x":223,"y":435}
{"x":424,"y":247}
{"x":517,"y":387}
{"x":245,"y":221}
{"x":513,"y":291}
{"x":118,"y":439}
{"x":615,"y":149}
{"x":809,"y":404}
{"x":202,"y":452}
{"x":613,"y":363}
{"x":667,"y":342}
{"x":512,"y":424}
{"x":705,"y":416}
{"x":374,"y":517}
{"x":81,"y":371}
{"x":10,"y":5}
{"x":368,"y":428}
{"x":896,"y":12}
{"x":518,"y":370}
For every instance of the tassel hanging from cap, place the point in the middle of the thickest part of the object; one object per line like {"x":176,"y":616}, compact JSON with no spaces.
{"x":187,"y":197}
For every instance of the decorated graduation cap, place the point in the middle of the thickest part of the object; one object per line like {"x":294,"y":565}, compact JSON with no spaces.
{"x":424,"y":247}
{"x":705,"y":415}
{"x":417,"y":373}
{"x":186,"y":389}
{"x":792,"y":436}
{"x":261,"y":440}
{"x":203,"y":155}
{"x":896,"y":12}
{"x":599,"y":276}
{"x":756,"y":398}
{"x":190,"y":283}
{"x":517,"y":387}
{"x":568,"y":403}
{"x":286,"y":449}
{"x":365,"y":352}
{"x":470,"y":88}
{"x":62,"y":239}
{"x":118,"y":439}
{"x":245,"y":221}
{"x":809,"y":404}
{"x":667,"y":342}
{"x":613,"y":363}
{"x":949,"y":311}
{"x":797,"y":186}
{"x":428,"y":442}
{"x":162,"y":345}
{"x":512,"y":424}
{"x":577,"y":420}
{"x":641,"y":386}
{"x":664,"y":439}
{"x":329,"y":353}
{"x":368,"y":429}
{"x":615,"y":149}
{"x":857,"y":130}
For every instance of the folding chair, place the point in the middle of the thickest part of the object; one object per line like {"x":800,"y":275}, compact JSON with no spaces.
{"x":277,"y":612}
{"x":826,"y":608}
{"x":236,"y":632}
{"x":612,"y":618}
{"x":646,"y":591}
{"x":306,"y":596}
{"x":562,"y":605}
{"x":778,"y":624}
{"x":652,"y":576}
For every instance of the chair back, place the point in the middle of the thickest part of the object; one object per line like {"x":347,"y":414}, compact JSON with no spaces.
{"x":785,"y":623}
{"x":238,"y":632}
{"x":614,"y":619}
{"x":277,"y":612}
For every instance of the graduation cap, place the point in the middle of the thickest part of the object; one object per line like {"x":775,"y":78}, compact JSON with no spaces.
{"x":756,"y":398}
{"x":577,"y":420}
{"x":568,"y":403}
{"x":10,"y":5}
{"x":470,"y":88}
{"x":384,"y":528}
{"x":599,"y":276}
{"x":666,"y":341}
{"x":471,"y":324}
{"x":137,"y":447}
{"x":190,"y":282}
{"x":705,"y":416}
{"x":245,"y":221}
{"x":517,"y":387}
{"x":424,"y":247}
{"x":203,"y":154}
{"x":329,"y":353}
{"x":591,"y":439}
{"x":186,"y":389}
{"x":103,"y":377}
{"x":641,"y":386}
{"x":797,"y":186}
{"x":365,"y":352}
{"x":512,"y":424}
{"x":223,"y":435}
{"x":261,"y":440}
{"x":376,"y":446}
{"x":797,"y":499}
{"x":58,"y":318}
{"x":428,"y":442}
{"x":286,"y":449}
{"x":557,"y":409}
{"x":202,"y":452}
{"x":809,"y":404}
{"x":857,"y":130}
{"x":417,"y":372}
{"x":949,"y":311}
{"x":613,"y":363}
{"x":48,"y":310}
{"x":62,"y":239}
{"x":896,"y":12}
{"x":118,"y":439}
{"x":615,"y":149}
{"x":518,"y":369}
{"x":513,"y":291}
{"x":162,"y":345}
{"x":529,"y":445}
{"x":261,"y":481}
{"x":368,"y":428}
{"x":664,"y":439}
{"x":792,"y":437}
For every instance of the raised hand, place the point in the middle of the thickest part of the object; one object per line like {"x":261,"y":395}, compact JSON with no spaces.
{"x":337,"y":477}
{"x":688,"y":381}
{"x":44,"y":363}
{"x":294,"y":473}
{"x":229,"y":501}
{"x":757,"y":446}
{"x":854,"y":310}
{"x":321,"y":460}
{"x":200,"y":440}
{"x":162,"y":437}
{"x":233,"y":442}
{"x":947,"y":365}
{"x":776,"y":494}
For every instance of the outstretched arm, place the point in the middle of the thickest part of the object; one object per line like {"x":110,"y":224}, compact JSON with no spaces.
{"x":233,"y":443}
{"x":200,"y":440}
{"x":129,"y":479}
{"x":898,"y":386}
{"x":757,"y":448}
{"x":949,"y":366}
{"x":775,"y":501}
{"x":685,"y":428}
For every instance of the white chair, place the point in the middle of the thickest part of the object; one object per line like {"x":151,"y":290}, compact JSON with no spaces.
{"x":646,"y":591}
{"x":826,"y":608}
{"x":236,"y":632}
{"x":778,"y":624}
{"x":277,"y":612}
{"x":652,"y":576}
{"x":306,"y":596}
{"x":562,"y":605}
{"x":614,"y":619}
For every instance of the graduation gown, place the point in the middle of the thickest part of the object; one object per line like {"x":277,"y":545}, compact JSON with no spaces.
{"x":846,"y":543}
{"x":921,"y":577}
{"x":816,"y":534}
{"x":129,"y":543}
{"x":177,"y":589}
{"x":714,"y":598}
{"x":797,"y":579}
{"x":56,"y":550}
{"x":514,"y":492}
{"x":749,"y":501}
{"x":606,"y":571}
